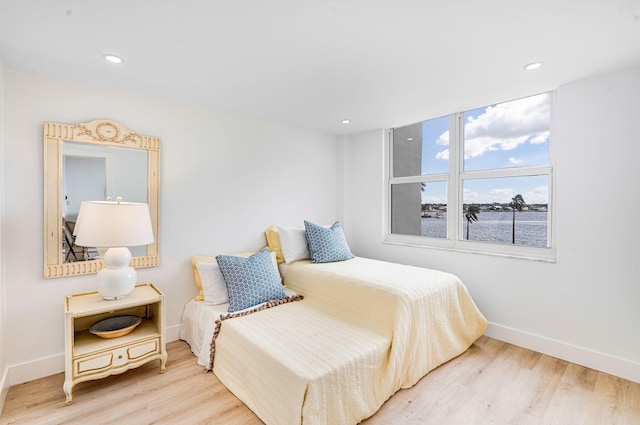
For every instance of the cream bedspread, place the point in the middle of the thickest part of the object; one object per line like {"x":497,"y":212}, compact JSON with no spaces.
{"x":365,"y":329}
{"x":428,"y":314}
{"x":296,"y":365}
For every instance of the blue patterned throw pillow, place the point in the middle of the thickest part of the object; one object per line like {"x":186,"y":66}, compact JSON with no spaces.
{"x":327,"y":244}
{"x":250,"y":281}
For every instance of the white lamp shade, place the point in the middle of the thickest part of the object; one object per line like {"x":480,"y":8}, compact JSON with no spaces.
{"x":113,"y":224}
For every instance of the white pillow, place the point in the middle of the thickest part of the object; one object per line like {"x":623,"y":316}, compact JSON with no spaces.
{"x":213,"y":285}
{"x":293,"y":242}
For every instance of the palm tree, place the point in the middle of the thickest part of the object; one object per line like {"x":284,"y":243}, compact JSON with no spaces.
{"x":517,"y":202}
{"x":471,"y":215}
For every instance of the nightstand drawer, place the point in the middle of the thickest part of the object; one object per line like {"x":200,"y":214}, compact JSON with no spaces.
{"x":115,"y":358}
{"x":91,"y":364}
{"x":140,"y":350}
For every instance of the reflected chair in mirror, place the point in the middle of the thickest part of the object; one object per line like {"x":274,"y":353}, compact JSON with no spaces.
{"x":69,"y":246}
{"x":73,"y":252}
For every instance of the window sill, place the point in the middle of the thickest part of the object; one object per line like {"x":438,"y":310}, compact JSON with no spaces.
{"x":546,"y":255}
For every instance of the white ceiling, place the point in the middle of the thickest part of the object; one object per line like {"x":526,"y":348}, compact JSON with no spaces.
{"x":311,"y":63}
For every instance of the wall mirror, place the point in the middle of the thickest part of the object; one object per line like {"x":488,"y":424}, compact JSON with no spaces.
{"x":91,"y":161}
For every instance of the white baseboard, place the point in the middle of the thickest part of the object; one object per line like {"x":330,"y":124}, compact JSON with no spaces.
{"x":612,"y":365}
{"x":46,"y":366}
{"x":35,"y":369}
{"x":173,"y":333}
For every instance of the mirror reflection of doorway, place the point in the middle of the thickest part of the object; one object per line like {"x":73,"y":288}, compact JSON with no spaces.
{"x":84,"y":178}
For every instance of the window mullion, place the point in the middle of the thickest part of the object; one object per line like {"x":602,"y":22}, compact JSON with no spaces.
{"x":455,"y":167}
{"x":419,"y":179}
{"x":506,"y":172}
{"x":388,"y":175}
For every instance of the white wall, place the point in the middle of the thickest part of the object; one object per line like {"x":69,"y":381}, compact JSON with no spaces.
{"x":224,"y":180}
{"x":4,"y":383}
{"x":586,"y":307}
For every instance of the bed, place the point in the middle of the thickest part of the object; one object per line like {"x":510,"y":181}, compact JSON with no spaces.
{"x":364,"y":329}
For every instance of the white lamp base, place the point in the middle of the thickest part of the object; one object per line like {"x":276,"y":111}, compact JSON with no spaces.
{"x":117,"y":279}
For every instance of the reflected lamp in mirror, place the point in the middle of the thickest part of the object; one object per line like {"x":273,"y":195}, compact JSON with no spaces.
{"x":116,"y":226}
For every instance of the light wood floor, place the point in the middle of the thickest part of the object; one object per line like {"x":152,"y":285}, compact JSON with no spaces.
{"x":491,"y":383}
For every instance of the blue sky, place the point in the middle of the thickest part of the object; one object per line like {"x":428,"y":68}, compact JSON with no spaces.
{"x":510,"y":134}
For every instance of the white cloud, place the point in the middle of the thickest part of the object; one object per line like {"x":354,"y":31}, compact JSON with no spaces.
{"x":496,"y":195}
{"x":539,"y":138}
{"x":443,"y":139}
{"x":500,"y":195}
{"x":433,"y":200}
{"x":515,"y":161}
{"x":539,"y":195}
{"x":505,"y":126}
{"x":443,"y":154}
{"x":469,"y":197}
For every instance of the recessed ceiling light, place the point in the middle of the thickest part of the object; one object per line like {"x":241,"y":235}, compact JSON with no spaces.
{"x":533,"y":65}
{"x":409,"y":139}
{"x":113,"y":58}
{"x":346,"y":121}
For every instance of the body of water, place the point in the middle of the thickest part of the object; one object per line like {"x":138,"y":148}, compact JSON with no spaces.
{"x":495,"y":226}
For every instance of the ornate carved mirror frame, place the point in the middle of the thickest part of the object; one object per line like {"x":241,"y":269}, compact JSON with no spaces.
{"x":96,"y":132}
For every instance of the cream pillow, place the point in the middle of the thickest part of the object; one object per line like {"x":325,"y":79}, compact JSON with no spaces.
{"x":273,"y":240}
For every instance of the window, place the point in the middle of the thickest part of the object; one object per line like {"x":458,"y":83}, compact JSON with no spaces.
{"x":479,"y":180}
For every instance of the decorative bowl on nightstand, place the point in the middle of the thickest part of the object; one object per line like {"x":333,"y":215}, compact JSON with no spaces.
{"x":114,"y":327}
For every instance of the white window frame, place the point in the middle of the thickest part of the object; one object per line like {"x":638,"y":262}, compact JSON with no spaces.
{"x":454,"y":240}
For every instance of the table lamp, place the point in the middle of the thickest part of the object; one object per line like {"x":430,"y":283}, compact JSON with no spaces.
{"x":115,"y":225}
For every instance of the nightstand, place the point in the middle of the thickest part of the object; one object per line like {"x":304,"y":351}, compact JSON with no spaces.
{"x":89,"y":357}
